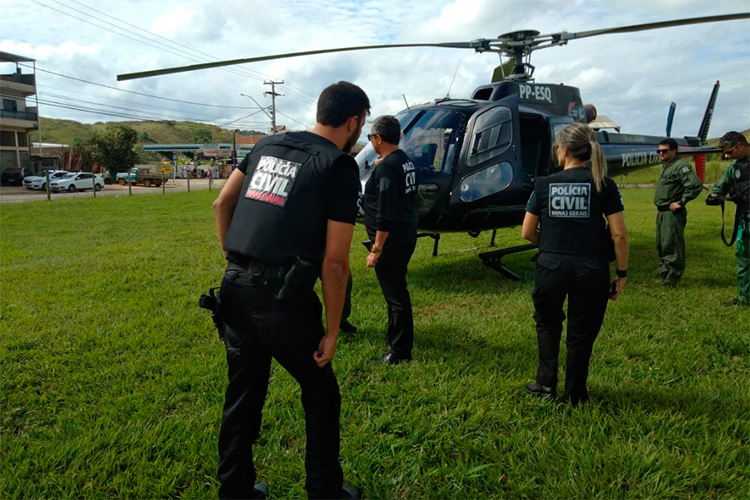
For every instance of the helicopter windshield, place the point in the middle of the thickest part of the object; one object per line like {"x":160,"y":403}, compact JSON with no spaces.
{"x":430,"y":138}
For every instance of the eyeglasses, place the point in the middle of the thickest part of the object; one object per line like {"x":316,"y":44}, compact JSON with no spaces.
{"x":370,"y":136}
{"x":662,"y":151}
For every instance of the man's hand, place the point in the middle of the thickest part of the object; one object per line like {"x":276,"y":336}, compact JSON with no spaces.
{"x":326,"y":350}
{"x":675,"y":206}
{"x":617,"y":285}
{"x":372,"y":259}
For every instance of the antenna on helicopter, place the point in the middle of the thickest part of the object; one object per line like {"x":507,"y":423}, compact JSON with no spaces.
{"x":448,"y":94}
{"x":407,"y":104}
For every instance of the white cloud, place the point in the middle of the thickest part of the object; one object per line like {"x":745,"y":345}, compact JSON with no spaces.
{"x":630,"y":77}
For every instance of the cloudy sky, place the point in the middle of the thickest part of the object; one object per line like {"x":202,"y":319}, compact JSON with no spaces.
{"x":80,"y":46}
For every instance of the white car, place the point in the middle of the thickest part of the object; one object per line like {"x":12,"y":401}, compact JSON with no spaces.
{"x":77,"y":182}
{"x":40,"y":181}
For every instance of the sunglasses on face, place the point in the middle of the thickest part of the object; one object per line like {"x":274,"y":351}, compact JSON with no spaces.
{"x":370,"y":136}
{"x":662,"y":151}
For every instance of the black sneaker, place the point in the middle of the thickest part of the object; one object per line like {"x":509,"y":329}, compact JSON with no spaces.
{"x":347,"y":327}
{"x":390,"y":359}
{"x":261,"y":491}
{"x":540,"y":391}
{"x":350,"y":492}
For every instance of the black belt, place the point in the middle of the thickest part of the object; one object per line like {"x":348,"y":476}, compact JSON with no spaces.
{"x":259,"y":270}
{"x":663,"y":208}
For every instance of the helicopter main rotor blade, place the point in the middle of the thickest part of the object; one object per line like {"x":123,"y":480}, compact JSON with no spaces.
{"x":650,"y":26}
{"x":476,"y":44}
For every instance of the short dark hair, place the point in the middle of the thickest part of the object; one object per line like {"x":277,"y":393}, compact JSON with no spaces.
{"x":669,"y":142}
{"x":731,"y":139}
{"x":339,"y":102}
{"x":388,"y":128}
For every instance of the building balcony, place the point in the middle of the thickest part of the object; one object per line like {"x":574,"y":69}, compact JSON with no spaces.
{"x":18,"y":83}
{"x":18,"y":115}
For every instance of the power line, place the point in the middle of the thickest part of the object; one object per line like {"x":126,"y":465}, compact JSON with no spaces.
{"x":132,"y":91}
{"x":242,"y":72}
{"x":113,"y":32}
{"x":88,"y":94}
{"x":98,"y":111}
{"x":247,"y":72}
{"x":112,"y":106}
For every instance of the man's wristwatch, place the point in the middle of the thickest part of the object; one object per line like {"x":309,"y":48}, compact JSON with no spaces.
{"x":622,"y":274}
{"x":375,"y":249}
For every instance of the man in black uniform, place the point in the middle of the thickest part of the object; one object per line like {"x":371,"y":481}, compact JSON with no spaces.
{"x":285,"y":217}
{"x":391,"y":223}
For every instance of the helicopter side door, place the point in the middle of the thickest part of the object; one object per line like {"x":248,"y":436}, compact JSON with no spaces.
{"x":490,"y":171}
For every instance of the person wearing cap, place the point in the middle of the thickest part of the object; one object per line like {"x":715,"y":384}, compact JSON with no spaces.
{"x":677,"y":185}
{"x":735,"y":185}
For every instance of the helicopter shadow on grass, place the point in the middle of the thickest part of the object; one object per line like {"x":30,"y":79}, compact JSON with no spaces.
{"x":694,"y":403}
{"x":447,"y":343}
{"x":465,"y":272}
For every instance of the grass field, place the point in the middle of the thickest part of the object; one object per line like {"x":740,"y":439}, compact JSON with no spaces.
{"x":112,"y":378}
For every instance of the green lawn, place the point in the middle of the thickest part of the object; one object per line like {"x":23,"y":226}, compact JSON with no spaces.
{"x":112,"y":378}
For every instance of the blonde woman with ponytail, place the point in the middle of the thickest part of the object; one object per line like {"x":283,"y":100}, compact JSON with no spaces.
{"x":567,"y":217}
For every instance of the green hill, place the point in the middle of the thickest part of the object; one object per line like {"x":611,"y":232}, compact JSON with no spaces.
{"x":149,"y":132}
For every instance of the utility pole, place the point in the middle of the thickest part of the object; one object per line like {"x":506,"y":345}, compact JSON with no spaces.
{"x":273,"y":95}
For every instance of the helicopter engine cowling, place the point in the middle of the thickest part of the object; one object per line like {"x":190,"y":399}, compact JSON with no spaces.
{"x":591,"y":113}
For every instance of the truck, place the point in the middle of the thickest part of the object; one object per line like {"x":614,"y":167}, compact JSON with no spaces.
{"x":142,"y":175}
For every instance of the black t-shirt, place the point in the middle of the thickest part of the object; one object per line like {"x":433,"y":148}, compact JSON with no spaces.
{"x":572,"y":212}
{"x":390,"y":194}
{"x":294,"y":184}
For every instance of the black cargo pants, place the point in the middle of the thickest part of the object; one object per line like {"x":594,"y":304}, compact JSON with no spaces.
{"x":391,"y":272}
{"x":260,"y":327}
{"x":585,"y":282}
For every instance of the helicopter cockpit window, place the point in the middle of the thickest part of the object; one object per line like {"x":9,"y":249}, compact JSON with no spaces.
{"x":486,"y":181}
{"x":492,"y":135}
{"x":432,"y":140}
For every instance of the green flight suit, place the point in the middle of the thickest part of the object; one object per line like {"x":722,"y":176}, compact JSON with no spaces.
{"x":742,"y":251}
{"x":677,"y":182}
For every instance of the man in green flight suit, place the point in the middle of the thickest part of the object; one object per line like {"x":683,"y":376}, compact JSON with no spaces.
{"x":677,"y":185}
{"x":736,"y":184}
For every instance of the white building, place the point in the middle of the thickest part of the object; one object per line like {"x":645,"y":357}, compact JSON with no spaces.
{"x":17,"y":119}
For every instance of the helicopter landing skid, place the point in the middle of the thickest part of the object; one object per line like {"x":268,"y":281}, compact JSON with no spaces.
{"x":435,"y":238}
{"x":494,"y":258}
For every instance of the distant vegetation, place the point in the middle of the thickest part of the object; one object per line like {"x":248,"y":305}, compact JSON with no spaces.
{"x":149,"y":132}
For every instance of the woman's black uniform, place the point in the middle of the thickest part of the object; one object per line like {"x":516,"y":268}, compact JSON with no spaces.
{"x":575,"y":248}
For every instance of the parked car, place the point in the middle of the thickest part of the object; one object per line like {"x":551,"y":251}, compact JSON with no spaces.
{"x":40,"y":181}
{"x":13,"y":176}
{"x":77,"y":182}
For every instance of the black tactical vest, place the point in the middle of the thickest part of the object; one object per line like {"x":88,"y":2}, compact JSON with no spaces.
{"x":280,"y":212}
{"x":572,"y":219}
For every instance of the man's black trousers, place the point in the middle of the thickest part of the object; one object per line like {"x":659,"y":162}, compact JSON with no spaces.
{"x":391,"y":272}
{"x":260,"y":327}
{"x":585,"y":282}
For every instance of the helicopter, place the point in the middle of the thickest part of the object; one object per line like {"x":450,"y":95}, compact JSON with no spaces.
{"x":476,"y":158}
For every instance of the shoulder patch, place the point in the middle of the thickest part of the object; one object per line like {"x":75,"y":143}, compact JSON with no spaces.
{"x":686,"y":169}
